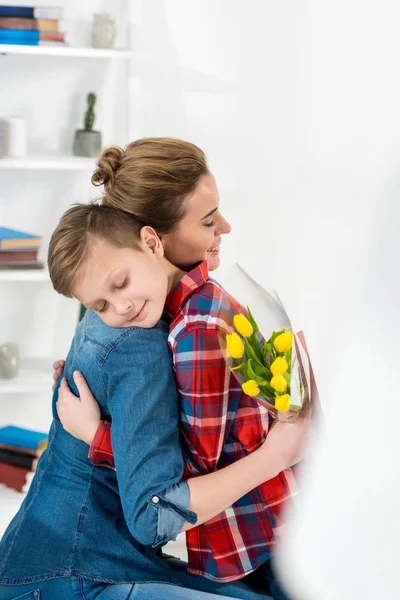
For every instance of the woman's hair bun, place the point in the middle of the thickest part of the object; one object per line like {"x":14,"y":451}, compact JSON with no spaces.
{"x":107,"y":166}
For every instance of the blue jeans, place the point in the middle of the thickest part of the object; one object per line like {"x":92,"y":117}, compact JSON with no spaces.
{"x":267,"y":572}
{"x":74,"y":588}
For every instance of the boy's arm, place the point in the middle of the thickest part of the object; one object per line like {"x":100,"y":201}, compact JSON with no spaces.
{"x":142,"y":398}
{"x":203,"y":380}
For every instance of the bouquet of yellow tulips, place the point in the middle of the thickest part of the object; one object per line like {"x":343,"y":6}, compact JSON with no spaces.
{"x":276,"y":371}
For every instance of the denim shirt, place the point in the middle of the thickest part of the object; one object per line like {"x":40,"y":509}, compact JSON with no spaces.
{"x":100,"y":524}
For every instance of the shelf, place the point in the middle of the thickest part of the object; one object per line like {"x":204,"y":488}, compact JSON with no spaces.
{"x":45,"y":163}
{"x":66,"y":51}
{"x":25,"y":275}
{"x":35,"y":377}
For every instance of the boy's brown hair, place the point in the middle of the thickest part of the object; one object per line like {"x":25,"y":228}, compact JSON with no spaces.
{"x":78,"y":228}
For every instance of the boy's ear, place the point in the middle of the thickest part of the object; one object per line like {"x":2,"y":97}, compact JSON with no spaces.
{"x":150,"y":239}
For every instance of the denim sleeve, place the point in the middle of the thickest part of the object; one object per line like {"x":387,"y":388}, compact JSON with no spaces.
{"x":143,"y":403}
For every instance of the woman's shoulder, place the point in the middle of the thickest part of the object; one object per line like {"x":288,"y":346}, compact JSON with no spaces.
{"x":207,"y":308}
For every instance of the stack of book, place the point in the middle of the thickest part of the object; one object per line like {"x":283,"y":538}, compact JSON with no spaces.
{"x":20,"y":450}
{"x":31,"y":26}
{"x":19,"y":250}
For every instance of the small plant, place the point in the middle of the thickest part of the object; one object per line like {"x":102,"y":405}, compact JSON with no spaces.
{"x":89,"y":115}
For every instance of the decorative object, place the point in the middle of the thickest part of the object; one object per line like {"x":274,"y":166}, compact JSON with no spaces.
{"x":3,"y":137}
{"x":9,"y":360}
{"x":103,"y":31}
{"x":274,"y":370}
{"x":13,"y":140}
{"x":87,"y":142}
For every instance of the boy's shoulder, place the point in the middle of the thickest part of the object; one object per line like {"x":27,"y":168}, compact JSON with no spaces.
{"x":92,"y":329}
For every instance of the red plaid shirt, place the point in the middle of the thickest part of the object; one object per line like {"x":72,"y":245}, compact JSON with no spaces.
{"x":219,"y":425}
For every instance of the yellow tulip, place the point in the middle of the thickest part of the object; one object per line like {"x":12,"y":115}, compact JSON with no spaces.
{"x":243,"y":325}
{"x":284,"y":341}
{"x":235,"y":345}
{"x":279,"y":366}
{"x":251,"y":388}
{"x":278,"y":382}
{"x":282,"y":403}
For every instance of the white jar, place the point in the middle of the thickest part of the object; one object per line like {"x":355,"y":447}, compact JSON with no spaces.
{"x":103,"y":30}
{"x":16,"y":137}
{"x":3,"y":137}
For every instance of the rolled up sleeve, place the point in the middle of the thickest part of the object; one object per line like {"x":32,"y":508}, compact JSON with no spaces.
{"x":143,"y":404}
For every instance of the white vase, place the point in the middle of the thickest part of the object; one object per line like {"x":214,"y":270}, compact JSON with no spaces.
{"x":103,"y":30}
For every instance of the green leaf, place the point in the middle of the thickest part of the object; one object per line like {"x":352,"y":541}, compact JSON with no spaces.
{"x":242,"y":368}
{"x":249,"y":352}
{"x":255,"y":343}
{"x":268,"y":390}
{"x":252,"y":374}
{"x":262,"y":371}
{"x":252,"y":320}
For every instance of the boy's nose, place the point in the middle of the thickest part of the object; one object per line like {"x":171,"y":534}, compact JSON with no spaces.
{"x":123,"y":307}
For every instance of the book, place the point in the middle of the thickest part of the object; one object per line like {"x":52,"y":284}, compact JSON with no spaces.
{"x":30,"y":37}
{"x":11,"y":238}
{"x":48,"y":24}
{"x":32,"y":12}
{"x":14,"y":266}
{"x":19,"y":460}
{"x":23,"y":438}
{"x":51,"y":36}
{"x":19,"y":450}
{"x":52,"y":43}
{"x":29,"y":24}
{"x":13,"y":36}
{"x":12,"y":256}
{"x":16,"y":478}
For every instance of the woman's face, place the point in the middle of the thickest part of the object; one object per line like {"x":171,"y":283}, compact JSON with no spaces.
{"x":198,"y":235}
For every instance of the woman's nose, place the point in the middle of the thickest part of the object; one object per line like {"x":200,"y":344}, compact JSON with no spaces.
{"x":223,"y":226}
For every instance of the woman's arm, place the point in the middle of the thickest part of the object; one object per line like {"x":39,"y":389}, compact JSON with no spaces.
{"x":212,"y":493}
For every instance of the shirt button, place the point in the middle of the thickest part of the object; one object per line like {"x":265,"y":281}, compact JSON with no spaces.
{"x":155,"y":499}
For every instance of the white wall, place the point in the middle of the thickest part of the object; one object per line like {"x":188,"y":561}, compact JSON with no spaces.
{"x":296,"y":104}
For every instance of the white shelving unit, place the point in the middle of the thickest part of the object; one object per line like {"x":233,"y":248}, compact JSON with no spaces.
{"x":21,"y":63}
{"x":25,"y":275}
{"x":67,"y":51}
{"x":53,"y":163}
{"x":35,"y":377}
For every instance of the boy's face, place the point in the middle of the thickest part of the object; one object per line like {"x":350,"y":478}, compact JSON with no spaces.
{"x":126,"y":287}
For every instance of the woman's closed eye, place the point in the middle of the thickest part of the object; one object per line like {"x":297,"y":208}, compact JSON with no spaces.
{"x":209,"y":224}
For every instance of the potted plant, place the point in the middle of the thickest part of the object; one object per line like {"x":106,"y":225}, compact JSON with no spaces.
{"x":87,"y":141}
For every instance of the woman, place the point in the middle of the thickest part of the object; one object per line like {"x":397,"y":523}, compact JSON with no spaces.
{"x":131,"y":176}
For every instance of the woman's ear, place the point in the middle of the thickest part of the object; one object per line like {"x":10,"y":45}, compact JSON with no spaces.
{"x":150,"y":239}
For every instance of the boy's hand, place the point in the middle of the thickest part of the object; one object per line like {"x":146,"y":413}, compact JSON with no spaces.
{"x":79,"y":415}
{"x":58,"y":368}
{"x":288,"y":442}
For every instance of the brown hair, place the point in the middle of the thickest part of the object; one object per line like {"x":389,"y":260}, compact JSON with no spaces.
{"x":151,"y":179}
{"x":75,"y":234}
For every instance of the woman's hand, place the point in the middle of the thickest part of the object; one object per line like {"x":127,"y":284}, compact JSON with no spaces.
{"x":287,"y":443}
{"x":79,"y":415}
{"x":58,"y":368}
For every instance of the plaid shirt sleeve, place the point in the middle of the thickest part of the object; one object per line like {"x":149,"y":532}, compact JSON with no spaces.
{"x":204,"y":385}
{"x":101,"y":453}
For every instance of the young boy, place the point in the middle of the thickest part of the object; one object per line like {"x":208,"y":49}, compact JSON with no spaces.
{"x":219,"y":424}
